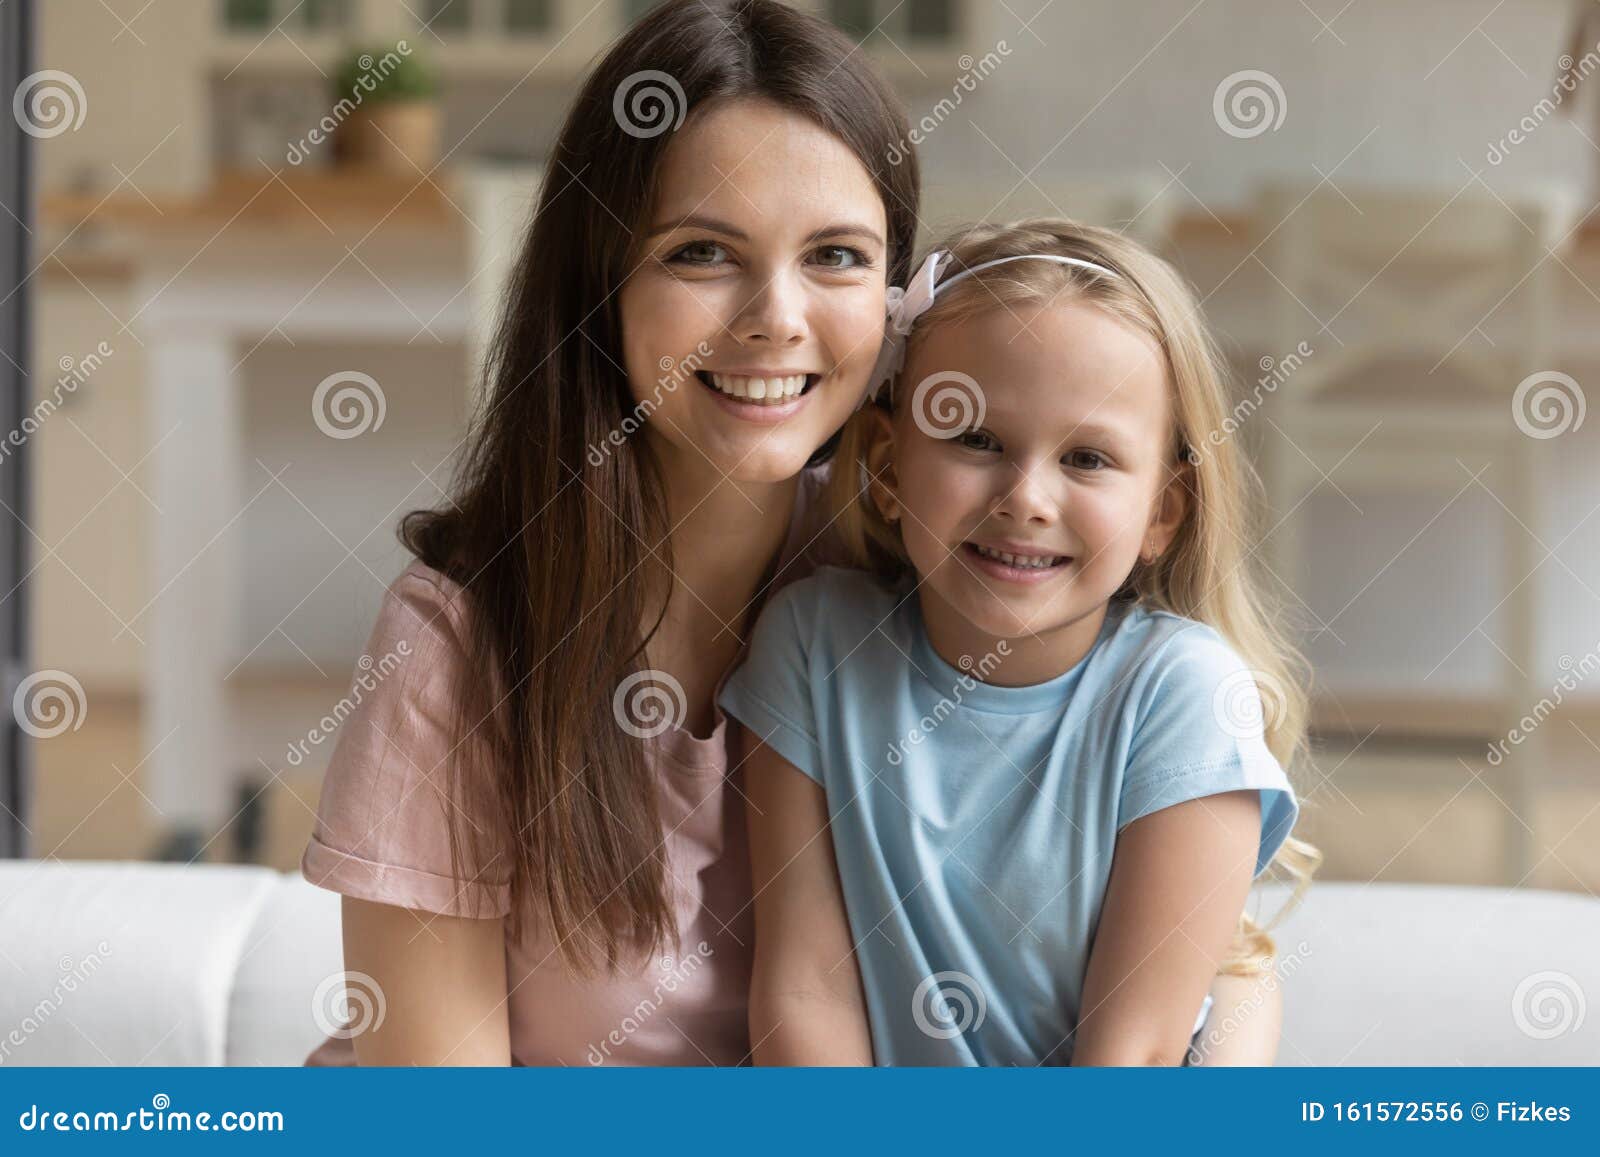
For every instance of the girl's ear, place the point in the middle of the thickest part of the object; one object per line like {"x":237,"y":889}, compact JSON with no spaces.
{"x":1171,"y":508}
{"x":882,"y":485}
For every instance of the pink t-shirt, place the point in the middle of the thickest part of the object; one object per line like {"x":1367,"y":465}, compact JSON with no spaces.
{"x":381,"y":835}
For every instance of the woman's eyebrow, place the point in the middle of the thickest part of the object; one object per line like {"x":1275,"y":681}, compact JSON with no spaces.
{"x":716,"y":225}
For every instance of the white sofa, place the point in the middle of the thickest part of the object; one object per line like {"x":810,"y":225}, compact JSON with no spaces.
{"x":161,"y":964}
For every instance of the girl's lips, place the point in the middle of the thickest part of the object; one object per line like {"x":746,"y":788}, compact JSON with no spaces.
{"x":1025,"y":576}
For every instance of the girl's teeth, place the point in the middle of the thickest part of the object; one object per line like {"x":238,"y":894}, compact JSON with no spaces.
{"x":1026,"y":562}
{"x":760,"y":389}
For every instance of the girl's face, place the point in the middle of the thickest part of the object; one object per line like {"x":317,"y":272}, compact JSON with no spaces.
{"x":1067,"y":466}
{"x":756,"y":313}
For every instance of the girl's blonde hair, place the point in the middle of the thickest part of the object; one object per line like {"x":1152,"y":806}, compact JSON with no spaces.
{"x":1206,"y":573}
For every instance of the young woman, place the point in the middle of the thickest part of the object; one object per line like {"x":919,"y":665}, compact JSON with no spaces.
{"x":534,"y":821}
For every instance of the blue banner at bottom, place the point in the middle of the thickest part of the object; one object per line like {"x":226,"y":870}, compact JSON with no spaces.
{"x":815,"y":1111}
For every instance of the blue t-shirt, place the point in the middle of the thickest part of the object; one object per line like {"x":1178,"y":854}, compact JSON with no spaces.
{"x":973,"y":824}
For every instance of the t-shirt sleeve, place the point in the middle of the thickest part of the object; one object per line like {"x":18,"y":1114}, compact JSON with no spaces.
{"x":382,"y":821}
{"x":769,"y":692}
{"x":1198,"y":732}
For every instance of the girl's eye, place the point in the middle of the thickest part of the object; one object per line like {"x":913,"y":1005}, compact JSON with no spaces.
{"x":694,"y":252}
{"x":977,"y":440}
{"x":828,"y":253}
{"x":1090,"y":460}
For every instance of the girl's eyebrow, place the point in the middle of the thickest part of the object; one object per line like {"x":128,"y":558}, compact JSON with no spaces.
{"x":715,"y":225}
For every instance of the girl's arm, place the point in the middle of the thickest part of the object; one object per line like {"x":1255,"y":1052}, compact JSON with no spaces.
{"x":442,"y":983}
{"x":1254,"y":1007}
{"x":1179,"y":879}
{"x":806,"y":1004}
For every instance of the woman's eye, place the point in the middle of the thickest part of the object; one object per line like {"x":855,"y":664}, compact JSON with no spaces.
{"x":977,"y":440}
{"x":829,"y":255}
{"x":696,"y":252}
{"x":1087,"y":460}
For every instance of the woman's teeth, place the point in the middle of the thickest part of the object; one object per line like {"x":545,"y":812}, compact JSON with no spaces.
{"x":1025,"y":561}
{"x":769,"y":391}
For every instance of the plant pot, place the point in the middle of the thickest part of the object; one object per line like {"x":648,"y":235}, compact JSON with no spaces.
{"x":400,"y":137}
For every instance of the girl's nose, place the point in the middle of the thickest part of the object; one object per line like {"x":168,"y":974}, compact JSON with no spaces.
{"x":1029,"y":497}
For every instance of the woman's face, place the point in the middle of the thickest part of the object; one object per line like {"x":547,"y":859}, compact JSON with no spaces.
{"x":755,"y":314}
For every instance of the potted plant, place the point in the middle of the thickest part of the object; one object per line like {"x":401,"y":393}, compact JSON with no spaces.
{"x":389,"y":100}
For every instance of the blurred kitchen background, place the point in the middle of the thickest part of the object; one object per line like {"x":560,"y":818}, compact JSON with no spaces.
{"x":1388,"y":207}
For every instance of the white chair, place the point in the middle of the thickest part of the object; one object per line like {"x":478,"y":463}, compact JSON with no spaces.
{"x":1406,"y":390}
{"x":216,"y":965}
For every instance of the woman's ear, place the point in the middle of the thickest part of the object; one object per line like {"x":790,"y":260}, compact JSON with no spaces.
{"x":882,"y":485}
{"x":1171,"y":507}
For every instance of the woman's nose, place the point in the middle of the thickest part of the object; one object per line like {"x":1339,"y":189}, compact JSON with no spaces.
{"x":775,"y":312}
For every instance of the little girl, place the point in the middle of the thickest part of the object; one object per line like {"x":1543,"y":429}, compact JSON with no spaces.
{"x":1013,"y":771}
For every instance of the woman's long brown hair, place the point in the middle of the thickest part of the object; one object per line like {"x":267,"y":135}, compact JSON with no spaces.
{"x":551,"y":795}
